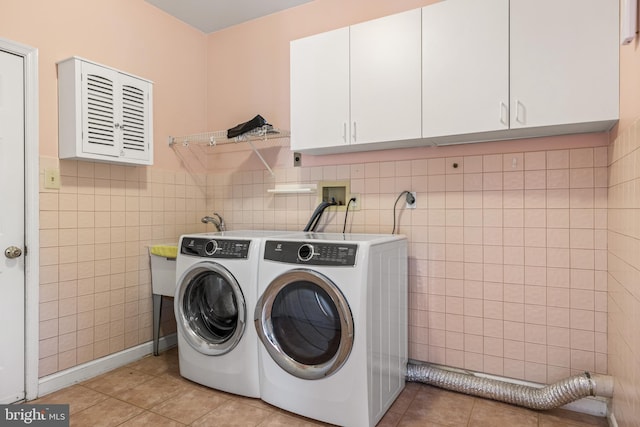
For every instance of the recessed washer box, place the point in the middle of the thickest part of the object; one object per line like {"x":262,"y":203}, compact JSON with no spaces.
{"x":338,"y":190}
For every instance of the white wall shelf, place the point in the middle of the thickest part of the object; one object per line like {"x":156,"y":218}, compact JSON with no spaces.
{"x":293,"y":189}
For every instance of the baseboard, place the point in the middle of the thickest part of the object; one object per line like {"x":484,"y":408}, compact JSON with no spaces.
{"x":68,"y":377}
{"x":596,"y":406}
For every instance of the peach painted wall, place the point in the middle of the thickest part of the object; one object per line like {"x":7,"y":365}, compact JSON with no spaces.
{"x":624,"y":241}
{"x":507,"y":260}
{"x":130,"y":35}
{"x":95,"y":293}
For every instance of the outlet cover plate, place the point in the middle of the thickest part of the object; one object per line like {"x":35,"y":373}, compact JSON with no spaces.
{"x":52,"y":179}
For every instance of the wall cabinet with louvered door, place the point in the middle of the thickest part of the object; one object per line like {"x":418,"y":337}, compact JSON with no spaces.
{"x":104,"y":114}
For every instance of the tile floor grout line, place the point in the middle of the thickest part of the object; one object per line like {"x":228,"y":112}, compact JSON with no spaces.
{"x":419,"y":403}
{"x":144,"y":410}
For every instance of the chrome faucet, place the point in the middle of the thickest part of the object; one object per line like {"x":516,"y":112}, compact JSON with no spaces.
{"x":219,"y":223}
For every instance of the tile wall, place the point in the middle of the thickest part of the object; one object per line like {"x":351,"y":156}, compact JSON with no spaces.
{"x":508,"y":252}
{"x":95,"y":292}
{"x":624,"y":274}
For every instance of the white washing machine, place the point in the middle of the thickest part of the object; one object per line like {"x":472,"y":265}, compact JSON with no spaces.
{"x":332,"y":323}
{"x":215,"y":296}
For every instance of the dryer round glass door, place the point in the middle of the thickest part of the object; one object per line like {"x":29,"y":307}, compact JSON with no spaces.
{"x":305,"y":324}
{"x":210,"y":308}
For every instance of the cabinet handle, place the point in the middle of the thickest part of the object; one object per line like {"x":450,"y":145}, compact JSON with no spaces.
{"x":344,"y":132}
{"x":520,"y":106}
{"x":354,"y":131}
{"x":504,"y":112}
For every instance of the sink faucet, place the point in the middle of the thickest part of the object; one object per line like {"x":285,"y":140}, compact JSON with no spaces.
{"x":219,"y":223}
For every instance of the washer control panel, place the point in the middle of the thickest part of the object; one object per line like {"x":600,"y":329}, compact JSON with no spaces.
{"x":311,"y":253}
{"x":206,"y":247}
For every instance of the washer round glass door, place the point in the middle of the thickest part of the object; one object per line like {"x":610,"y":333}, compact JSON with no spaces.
{"x":305,"y":324}
{"x":210,"y":308}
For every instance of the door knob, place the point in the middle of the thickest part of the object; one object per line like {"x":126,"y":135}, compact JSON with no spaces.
{"x":12,"y":252}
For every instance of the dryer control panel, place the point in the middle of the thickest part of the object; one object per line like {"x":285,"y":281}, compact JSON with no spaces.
{"x":215,"y":248}
{"x":311,"y":253}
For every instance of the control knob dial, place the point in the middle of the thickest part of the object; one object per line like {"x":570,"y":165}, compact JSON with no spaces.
{"x":305,"y":252}
{"x":210,"y":247}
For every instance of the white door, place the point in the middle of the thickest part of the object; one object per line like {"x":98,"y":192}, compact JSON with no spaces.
{"x":12,"y":235}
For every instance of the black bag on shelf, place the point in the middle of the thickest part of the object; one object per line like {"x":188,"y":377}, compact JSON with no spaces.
{"x":257,"y":122}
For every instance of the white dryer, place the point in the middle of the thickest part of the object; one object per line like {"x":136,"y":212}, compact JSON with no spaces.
{"x":215,"y":296}
{"x":332,"y":323}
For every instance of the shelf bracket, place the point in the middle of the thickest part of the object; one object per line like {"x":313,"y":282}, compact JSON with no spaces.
{"x":264,"y":162}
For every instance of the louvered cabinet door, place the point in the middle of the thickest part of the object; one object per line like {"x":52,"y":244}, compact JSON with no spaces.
{"x":103,"y":114}
{"x":100,"y":125}
{"x":135,"y":118}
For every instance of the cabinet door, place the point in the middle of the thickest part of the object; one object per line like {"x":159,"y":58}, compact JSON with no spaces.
{"x":564,"y":56}
{"x":385,"y":79}
{"x":465,"y":67}
{"x":320,"y":90}
{"x":135,"y":123}
{"x":100,"y":96}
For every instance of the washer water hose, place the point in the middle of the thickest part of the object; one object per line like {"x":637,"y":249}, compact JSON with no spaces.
{"x":317,"y":213}
{"x":548,"y":397}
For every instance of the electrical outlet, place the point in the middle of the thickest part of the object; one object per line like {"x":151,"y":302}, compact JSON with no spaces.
{"x":415,"y":201}
{"x":297,"y":160}
{"x":355,"y":206}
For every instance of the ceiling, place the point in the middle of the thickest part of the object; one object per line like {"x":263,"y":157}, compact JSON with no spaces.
{"x":212,"y":15}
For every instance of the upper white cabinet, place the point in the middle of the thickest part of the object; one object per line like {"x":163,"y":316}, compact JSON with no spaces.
{"x":320,"y":90}
{"x":103,"y":114}
{"x":385,"y":79}
{"x":458,"y":71}
{"x":501,"y":69}
{"x":357,"y":86}
{"x":564,"y":62}
{"x":465,"y":71}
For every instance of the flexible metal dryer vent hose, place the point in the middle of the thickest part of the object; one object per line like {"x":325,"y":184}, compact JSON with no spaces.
{"x":547,"y":397}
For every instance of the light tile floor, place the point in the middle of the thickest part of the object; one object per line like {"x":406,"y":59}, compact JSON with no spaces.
{"x":151,"y":392}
